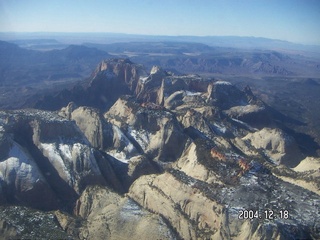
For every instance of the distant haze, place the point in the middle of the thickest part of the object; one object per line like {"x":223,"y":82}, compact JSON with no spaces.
{"x":290,"y":20}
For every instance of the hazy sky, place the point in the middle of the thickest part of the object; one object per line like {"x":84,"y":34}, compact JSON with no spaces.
{"x":292,"y":20}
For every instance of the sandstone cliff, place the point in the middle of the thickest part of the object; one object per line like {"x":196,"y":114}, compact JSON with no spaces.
{"x":109,"y":215}
{"x":157,"y":156}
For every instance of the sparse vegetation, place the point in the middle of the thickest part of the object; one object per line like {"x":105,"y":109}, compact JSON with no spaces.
{"x":30,"y":224}
{"x":198,"y":147}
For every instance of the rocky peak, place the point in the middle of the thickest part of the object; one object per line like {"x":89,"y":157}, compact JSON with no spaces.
{"x":158,"y":70}
{"x":226,"y":95}
{"x":112,"y":79}
{"x":123,"y":69}
{"x":184,"y":150}
{"x":66,"y":111}
{"x":155,"y":130}
{"x":91,"y":123}
{"x":112,"y":65}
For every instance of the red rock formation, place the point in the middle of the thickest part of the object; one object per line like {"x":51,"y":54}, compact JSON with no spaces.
{"x":244,"y":165}
{"x":216,"y":154}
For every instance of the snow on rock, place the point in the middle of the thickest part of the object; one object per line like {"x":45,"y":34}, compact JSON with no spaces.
{"x":244,"y":125}
{"x":51,"y":152}
{"x":72,"y":161}
{"x":249,"y":180}
{"x":131,"y":210}
{"x":141,"y":136}
{"x":222,"y":83}
{"x":190,"y":93}
{"x":120,"y":156}
{"x":65,"y":150}
{"x":19,"y":165}
{"x":122,"y":143}
{"x":143,"y":79}
{"x":122,"y":149}
{"x":220,"y":128}
{"x":22,"y":180}
{"x":240,"y":110}
{"x":85,"y":155}
{"x":155,"y":69}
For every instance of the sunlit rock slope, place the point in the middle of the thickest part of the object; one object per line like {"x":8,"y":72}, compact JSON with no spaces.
{"x":157,"y":156}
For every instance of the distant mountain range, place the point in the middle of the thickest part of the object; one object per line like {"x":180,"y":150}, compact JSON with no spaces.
{"x":74,"y":62}
{"x":106,"y":38}
{"x":140,"y":155}
{"x":24,"y":72}
{"x":27,"y":75}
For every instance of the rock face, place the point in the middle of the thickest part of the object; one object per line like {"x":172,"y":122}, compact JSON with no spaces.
{"x":280,"y":147}
{"x":21,"y":179}
{"x":69,"y":153}
{"x":190,"y":165}
{"x":112,"y":216}
{"x":157,"y":133}
{"x":92,"y":125}
{"x":178,"y":202}
{"x":46,"y":159}
{"x":159,"y":156}
{"x":112,"y":79}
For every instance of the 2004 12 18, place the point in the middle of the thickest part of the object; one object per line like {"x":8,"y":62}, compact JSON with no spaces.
{"x":265,"y":214}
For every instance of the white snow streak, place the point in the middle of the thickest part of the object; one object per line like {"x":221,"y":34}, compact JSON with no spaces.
{"x":20,"y":163}
{"x":222,"y":83}
{"x":51,"y":152}
{"x":189,"y":93}
{"x":142,"y":137}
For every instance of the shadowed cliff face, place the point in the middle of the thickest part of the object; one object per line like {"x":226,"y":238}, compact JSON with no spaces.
{"x":176,"y":157}
{"x":50,"y":152}
{"x":110,"y":80}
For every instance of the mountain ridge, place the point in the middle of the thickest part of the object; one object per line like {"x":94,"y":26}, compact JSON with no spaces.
{"x":179,"y":155}
{"x":121,"y":37}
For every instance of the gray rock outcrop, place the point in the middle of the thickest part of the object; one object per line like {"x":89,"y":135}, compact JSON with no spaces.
{"x":157,"y":132}
{"x":158,"y":156}
{"x":109,"y":215}
{"x":279,"y":146}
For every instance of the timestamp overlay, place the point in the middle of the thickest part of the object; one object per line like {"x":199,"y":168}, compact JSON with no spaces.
{"x":268,"y":214}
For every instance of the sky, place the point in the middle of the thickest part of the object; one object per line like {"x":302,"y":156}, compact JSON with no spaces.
{"x":296,"y":21}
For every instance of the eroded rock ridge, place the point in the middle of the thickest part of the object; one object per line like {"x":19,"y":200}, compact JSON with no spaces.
{"x":159,"y":156}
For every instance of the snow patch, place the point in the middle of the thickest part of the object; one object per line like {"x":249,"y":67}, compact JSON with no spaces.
{"x":245,"y":124}
{"x":20,"y":163}
{"x":120,"y":156}
{"x":52,"y":153}
{"x":245,"y":109}
{"x":192,"y":53}
{"x":234,"y":211}
{"x":143,"y":79}
{"x":249,"y":180}
{"x":189,"y":93}
{"x":142,"y":137}
{"x":65,"y":151}
{"x":220,"y":128}
{"x":130,"y":210}
{"x":129,"y":146}
{"x":192,"y":182}
{"x":223,"y":83}
{"x":154,"y":69}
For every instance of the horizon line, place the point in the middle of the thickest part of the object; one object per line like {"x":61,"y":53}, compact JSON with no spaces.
{"x":162,"y":35}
